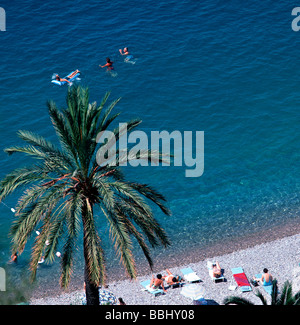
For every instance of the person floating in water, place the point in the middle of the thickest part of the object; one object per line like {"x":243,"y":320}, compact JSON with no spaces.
{"x":58,"y":78}
{"x":109,"y":64}
{"x":125,"y":51}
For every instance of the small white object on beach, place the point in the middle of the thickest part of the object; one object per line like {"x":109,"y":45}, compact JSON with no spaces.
{"x":232,"y":287}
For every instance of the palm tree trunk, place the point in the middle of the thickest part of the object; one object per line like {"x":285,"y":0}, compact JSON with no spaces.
{"x":91,"y":290}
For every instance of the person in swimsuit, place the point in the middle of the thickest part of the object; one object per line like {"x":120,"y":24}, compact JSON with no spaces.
{"x":266,"y":279}
{"x":216,"y":270}
{"x":157,"y":282}
{"x":58,"y":78}
{"x":109,"y":64}
{"x":125,"y":51}
{"x":172,"y":279}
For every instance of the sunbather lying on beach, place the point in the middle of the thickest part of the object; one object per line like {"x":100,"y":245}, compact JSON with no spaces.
{"x":216,"y":270}
{"x":157,"y":282}
{"x":172,"y":279}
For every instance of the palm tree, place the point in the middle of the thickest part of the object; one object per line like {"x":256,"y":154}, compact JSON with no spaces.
{"x":65,"y":185}
{"x":285,"y":298}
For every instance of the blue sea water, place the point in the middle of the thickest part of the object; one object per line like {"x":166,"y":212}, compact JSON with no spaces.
{"x":230,"y":69}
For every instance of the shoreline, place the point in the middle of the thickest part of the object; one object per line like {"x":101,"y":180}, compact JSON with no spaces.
{"x":281,"y":256}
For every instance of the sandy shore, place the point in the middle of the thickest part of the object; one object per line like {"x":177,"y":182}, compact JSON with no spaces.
{"x":281,"y":257}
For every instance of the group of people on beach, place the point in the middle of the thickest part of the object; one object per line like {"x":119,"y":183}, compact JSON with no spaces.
{"x":158,"y":281}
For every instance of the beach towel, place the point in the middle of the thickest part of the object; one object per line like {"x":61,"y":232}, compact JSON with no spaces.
{"x":241,"y":279}
{"x":189,"y":275}
{"x":268,"y":288}
{"x":146,"y":285}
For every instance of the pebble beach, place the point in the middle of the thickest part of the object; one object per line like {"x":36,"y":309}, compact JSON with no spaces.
{"x":281,"y":257}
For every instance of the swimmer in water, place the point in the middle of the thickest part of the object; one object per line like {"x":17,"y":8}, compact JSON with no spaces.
{"x":109,"y":64}
{"x":125,"y":51}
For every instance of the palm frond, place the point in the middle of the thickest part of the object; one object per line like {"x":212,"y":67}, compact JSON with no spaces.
{"x":122,"y":243}
{"x":21,"y":177}
{"x":237,"y":301}
{"x":151,"y":194}
{"x":73,"y":213}
{"x":39,"y":246}
{"x":29,"y":217}
{"x":62,"y":131}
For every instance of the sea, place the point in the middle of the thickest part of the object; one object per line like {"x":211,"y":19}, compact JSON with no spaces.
{"x":227,"y":68}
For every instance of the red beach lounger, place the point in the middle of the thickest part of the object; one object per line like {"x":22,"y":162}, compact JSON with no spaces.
{"x":241,"y":279}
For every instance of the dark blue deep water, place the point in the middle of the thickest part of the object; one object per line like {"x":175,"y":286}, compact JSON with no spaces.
{"x":228,"y":68}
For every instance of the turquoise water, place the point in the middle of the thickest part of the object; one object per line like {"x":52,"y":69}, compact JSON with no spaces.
{"x":231,"y":71}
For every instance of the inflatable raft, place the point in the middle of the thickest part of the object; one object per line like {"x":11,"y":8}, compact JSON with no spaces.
{"x":73,"y":74}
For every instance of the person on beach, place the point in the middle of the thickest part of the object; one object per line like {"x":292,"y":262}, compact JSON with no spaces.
{"x":121,"y":301}
{"x":171,"y":279}
{"x":216,"y":270}
{"x":157,"y":282}
{"x":266,"y":279}
{"x":109,"y":64}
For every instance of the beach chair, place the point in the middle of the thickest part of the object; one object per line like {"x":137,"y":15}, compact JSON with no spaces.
{"x":241,"y":279}
{"x":146,"y":285}
{"x":268,"y":288}
{"x":210,"y":272}
{"x":189,"y":275}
